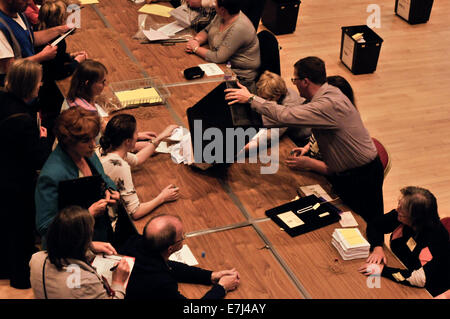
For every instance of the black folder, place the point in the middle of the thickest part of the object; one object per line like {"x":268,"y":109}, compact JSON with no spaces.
{"x":214,"y":112}
{"x":304,"y":215}
{"x":83,"y":191}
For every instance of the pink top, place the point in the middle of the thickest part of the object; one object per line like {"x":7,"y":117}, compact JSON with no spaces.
{"x":82,"y":103}
{"x":32,"y":12}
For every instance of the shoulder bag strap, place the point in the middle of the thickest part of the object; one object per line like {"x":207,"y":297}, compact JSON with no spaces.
{"x":43,"y":278}
{"x":13,"y":116}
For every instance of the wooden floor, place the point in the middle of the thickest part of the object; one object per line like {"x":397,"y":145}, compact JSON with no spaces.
{"x":405,"y":103}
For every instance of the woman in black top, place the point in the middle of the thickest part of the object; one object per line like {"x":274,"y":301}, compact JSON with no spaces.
{"x":24,"y":151}
{"x":418,"y":239}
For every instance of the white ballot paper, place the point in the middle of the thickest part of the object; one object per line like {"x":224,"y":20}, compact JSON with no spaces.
{"x":317,"y":190}
{"x":347,"y":220}
{"x":211,"y":69}
{"x":185,"y":256}
{"x":171,"y":28}
{"x":154,"y":35}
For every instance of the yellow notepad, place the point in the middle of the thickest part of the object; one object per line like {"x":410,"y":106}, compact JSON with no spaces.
{"x":88,"y":2}
{"x":352,"y":236}
{"x":156,"y":9}
{"x":138,"y":96}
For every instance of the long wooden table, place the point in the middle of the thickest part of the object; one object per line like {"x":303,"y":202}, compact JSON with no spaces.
{"x":223,"y":211}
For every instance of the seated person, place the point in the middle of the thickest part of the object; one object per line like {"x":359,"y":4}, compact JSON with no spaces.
{"x":74,"y":157}
{"x":231,"y":37}
{"x":25,"y":151}
{"x":418,"y":239}
{"x":154,"y":276}
{"x":116,"y":143}
{"x":32,"y":12}
{"x":272,"y":87}
{"x":87,"y":83}
{"x":70,"y":245}
{"x":309,"y":157}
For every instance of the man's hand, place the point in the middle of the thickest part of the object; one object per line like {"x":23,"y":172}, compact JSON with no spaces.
{"x":240,"y":95}
{"x":102,"y":247}
{"x":47,"y":53}
{"x":43,"y":132}
{"x":216,"y":275}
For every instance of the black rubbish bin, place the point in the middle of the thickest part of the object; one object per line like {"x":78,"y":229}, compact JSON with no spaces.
{"x":360,"y":57}
{"x":414,"y":11}
{"x":280,"y":16}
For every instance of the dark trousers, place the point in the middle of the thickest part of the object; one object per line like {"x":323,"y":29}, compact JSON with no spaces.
{"x":361,"y":189}
{"x":17,"y":234}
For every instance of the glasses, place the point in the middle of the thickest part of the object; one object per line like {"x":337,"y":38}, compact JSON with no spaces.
{"x":183,"y":237}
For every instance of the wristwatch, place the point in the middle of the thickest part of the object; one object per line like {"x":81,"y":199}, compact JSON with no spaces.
{"x":250,"y":99}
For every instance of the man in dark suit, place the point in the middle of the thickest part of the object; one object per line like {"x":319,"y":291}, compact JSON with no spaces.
{"x":154,"y":276}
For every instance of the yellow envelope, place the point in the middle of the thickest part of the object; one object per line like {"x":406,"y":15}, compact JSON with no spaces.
{"x":88,"y":2}
{"x":156,"y":9}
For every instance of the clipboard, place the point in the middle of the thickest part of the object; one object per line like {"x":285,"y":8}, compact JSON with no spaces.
{"x":83,"y":191}
{"x":304,"y":215}
{"x":62,"y":37}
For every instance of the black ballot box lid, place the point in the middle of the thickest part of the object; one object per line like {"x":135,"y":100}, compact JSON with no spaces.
{"x":213,"y":122}
{"x":304,"y":215}
{"x":360,"y":57}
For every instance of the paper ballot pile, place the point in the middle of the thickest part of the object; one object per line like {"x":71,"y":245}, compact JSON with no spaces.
{"x":350,"y":243}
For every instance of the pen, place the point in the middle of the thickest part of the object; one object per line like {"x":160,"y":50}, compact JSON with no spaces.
{"x":113,"y":267}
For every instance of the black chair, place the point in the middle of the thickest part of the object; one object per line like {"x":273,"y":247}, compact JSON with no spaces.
{"x":253,"y":9}
{"x":270,"y":53}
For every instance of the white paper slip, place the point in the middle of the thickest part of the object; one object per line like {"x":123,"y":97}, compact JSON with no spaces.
{"x":211,"y":69}
{"x":154,"y":35}
{"x":347,"y":220}
{"x":317,"y":190}
{"x":171,"y":28}
{"x":104,"y":263}
{"x":185,"y":256}
{"x":177,"y":134}
{"x":62,"y":37}
{"x":184,"y":15}
{"x":163,"y":148}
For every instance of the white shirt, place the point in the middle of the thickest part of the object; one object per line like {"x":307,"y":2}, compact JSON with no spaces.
{"x":6,"y":51}
{"x":119,"y":170}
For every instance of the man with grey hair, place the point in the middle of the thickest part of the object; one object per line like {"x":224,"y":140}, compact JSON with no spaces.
{"x":154,"y":276}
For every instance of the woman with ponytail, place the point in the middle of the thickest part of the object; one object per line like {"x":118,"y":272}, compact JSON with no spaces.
{"x":118,"y":140}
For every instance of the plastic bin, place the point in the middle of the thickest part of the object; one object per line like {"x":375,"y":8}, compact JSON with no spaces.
{"x":414,"y":11}
{"x":360,"y":58}
{"x":280,"y":16}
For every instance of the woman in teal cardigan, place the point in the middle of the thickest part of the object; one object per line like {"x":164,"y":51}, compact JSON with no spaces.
{"x":74,"y":157}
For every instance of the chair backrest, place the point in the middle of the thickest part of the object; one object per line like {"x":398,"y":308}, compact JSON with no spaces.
{"x":270,"y":52}
{"x":383,"y":153}
{"x":446,"y":222}
{"x":253,"y":9}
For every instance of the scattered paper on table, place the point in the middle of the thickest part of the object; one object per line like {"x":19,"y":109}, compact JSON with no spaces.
{"x":317,"y":190}
{"x":347,"y":220}
{"x":154,"y":35}
{"x":184,"y":15}
{"x":290,"y":219}
{"x":171,"y":28}
{"x":163,"y":148}
{"x":156,"y":9}
{"x":185,"y":256}
{"x":211,"y":69}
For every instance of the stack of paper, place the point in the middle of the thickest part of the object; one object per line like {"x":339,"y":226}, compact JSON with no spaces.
{"x":350,"y":243}
{"x":138,"y":96}
{"x":185,"y":256}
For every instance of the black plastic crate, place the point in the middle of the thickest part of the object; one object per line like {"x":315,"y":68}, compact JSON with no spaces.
{"x":280,"y":16}
{"x":360,"y":58}
{"x":414,"y":11}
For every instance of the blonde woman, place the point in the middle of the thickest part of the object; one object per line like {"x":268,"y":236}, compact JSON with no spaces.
{"x":24,"y":151}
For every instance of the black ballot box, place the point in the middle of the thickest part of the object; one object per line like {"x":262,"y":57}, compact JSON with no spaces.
{"x":360,"y":49}
{"x":414,"y":11}
{"x":280,"y":16}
